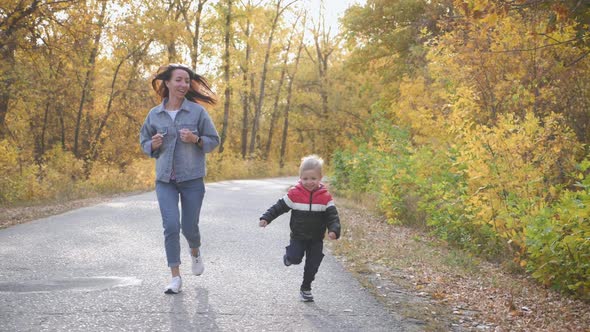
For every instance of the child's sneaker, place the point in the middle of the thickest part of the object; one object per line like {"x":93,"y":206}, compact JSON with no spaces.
{"x":175,"y":286}
{"x":197,"y":263}
{"x":286,"y":260}
{"x":306,"y":295}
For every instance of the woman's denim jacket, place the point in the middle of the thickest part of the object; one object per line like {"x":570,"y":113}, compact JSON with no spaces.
{"x":187,"y":159}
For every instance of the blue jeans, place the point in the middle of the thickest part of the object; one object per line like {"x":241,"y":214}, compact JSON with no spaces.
{"x":191,"y":195}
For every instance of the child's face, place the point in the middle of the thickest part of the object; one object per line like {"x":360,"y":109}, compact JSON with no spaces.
{"x":310,"y":179}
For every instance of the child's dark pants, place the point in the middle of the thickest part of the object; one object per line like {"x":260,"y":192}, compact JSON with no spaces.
{"x":312,"y":249}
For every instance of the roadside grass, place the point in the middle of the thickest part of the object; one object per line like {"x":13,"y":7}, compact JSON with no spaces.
{"x":444,"y":288}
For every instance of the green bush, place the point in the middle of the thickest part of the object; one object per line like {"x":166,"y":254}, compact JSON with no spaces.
{"x":422,"y":186}
{"x":558,"y":240}
{"x":429,"y":185}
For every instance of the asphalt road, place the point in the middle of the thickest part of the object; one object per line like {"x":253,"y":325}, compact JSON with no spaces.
{"x":102,"y":268}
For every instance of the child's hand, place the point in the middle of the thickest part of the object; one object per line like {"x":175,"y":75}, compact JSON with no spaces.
{"x":263,"y":223}
{"x":332,"y":235}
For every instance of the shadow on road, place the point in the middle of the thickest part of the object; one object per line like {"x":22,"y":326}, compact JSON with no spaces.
{"x":184,"y":318}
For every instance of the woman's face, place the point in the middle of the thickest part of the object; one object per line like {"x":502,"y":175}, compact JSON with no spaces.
{"x":178,"y":84}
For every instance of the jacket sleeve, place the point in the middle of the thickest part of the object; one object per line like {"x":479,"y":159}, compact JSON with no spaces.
{"x":208,"y":133}
{"x":145,"y":138}
{"x":275,"y":211}
{"x":333,"y":220}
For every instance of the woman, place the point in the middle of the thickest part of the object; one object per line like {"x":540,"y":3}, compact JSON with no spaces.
{"x":178,"y":133}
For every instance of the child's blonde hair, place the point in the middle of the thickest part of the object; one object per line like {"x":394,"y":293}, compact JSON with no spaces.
{"x":311,"y":162}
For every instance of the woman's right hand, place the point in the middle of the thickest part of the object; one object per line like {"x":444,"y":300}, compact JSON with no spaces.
{"x":263,"y":223}
{"x":157,"y":141}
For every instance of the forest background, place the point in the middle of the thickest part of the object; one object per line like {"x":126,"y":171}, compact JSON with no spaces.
{"x":469,"y":118}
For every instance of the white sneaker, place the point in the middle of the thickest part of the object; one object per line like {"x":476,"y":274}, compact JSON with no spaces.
{"x":174,"y":287}
{"x":197,"y":263}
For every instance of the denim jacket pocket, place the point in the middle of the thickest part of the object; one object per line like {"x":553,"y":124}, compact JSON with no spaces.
{"x":163,"y":130}
{"x":192,"y":127}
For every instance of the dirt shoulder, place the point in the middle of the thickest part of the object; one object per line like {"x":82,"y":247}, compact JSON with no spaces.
{"x":446,"y":289}
{"x":429,"y":284}
{"x":21,"y":214}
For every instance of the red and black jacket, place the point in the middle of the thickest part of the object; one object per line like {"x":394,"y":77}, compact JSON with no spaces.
{"x":312,"y":212}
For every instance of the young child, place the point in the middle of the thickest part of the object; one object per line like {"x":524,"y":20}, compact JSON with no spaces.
{"x":313,"y":212}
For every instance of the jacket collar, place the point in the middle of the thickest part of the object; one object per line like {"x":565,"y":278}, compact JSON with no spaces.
{"x":321,"y":188}
{"x":162,"y":106}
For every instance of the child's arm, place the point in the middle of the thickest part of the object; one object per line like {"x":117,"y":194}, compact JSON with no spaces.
{"x":273,"y":212}
{"x":333,"y":222}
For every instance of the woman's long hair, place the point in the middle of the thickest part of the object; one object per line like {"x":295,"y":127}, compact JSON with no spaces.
{"x":199,"y":89}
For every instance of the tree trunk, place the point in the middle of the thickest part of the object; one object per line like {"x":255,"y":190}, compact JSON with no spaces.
{"x":41,"y":149}
{"x":62,"y":125}
{"x":171,"y":44}
{"x":86,"y":90}
{"x":275,"y":108}
{"x":323,"y":50}
{"x":288,"y":106}
{"x":323,"y":53}
{"x":197,"y":28}
{"x":246,"y":91}
{"x":226,"y":78}
{"x":96,"y":141}
{"x":7,"y":53}
{"x":10,"y":24}
{"x":275,"y":114}
{"x":258,"y":111}
{"x":245,"y":111}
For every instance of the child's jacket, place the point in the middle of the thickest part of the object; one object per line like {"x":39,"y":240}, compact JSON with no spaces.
{"x":312,"y":213}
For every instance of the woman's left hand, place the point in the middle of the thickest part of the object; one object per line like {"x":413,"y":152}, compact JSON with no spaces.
{"x":187,"y":136}
{"x":332,"y":235}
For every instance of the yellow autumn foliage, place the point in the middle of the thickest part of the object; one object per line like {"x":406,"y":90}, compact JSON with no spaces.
{"x":513,"y":168}
{"x":495,"y":126}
